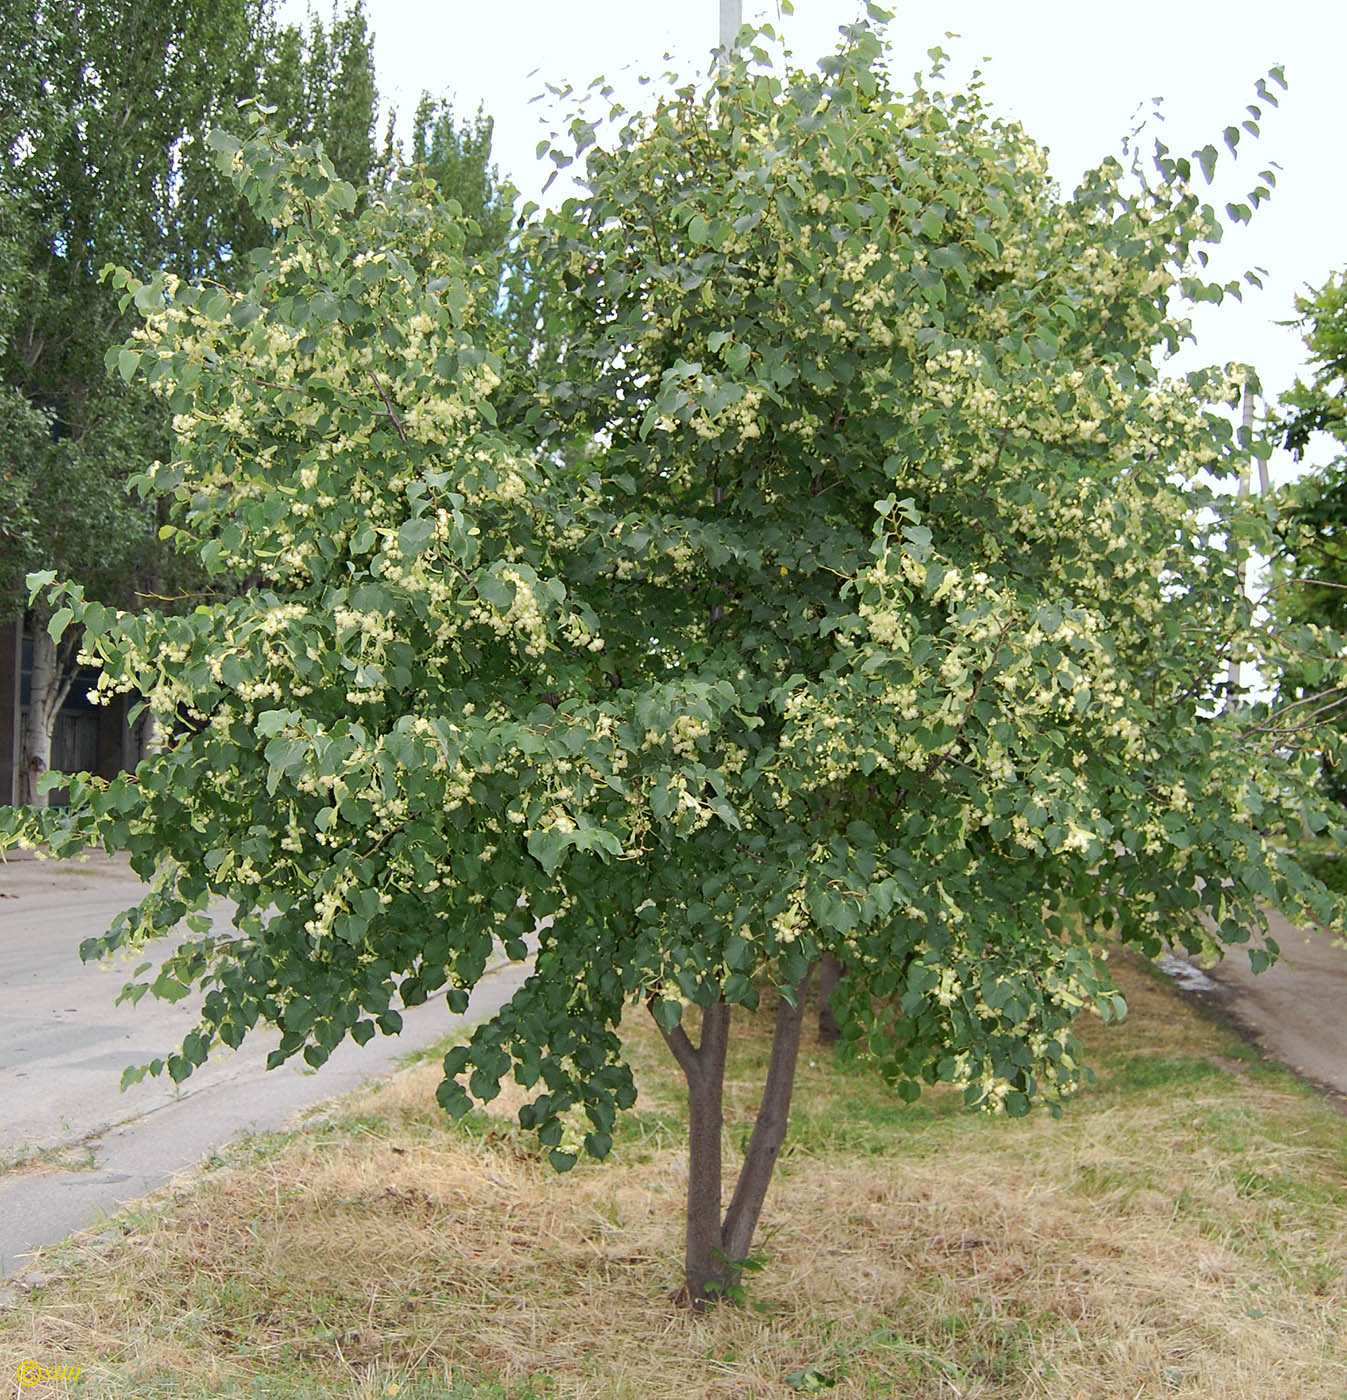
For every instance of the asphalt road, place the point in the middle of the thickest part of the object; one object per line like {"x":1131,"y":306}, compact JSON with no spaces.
{"x":1296,"y":1011}
{"x":64,"y":1044}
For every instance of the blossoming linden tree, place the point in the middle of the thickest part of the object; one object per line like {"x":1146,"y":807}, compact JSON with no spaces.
{"x":808,"y":559}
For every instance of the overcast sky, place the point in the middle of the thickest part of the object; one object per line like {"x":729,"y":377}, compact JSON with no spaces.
{"x":1074,"y":73}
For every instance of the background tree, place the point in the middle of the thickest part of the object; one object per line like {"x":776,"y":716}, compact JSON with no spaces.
{"x":456,"y":154}
{"x":322,"y":88}
{"x":1309,"y":574}
{"x":1321,"y":405}
{"x":835,"y":573}
{"x":23,"y":428}
{"x":1316,"y":568}
{"x":104,"y":107}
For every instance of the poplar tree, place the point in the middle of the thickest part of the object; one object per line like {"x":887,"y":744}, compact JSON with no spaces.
{"x":105,"y":107}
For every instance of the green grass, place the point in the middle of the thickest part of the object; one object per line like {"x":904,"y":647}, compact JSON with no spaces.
{"x":77,"y":1157}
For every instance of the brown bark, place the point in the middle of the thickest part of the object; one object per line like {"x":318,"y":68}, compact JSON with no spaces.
{"x":703,"y":1067}
{"x":715,"y":1248}
{"x":704,"y":1259}
{"x":829,"y":974}
{"x":769,"y":1133}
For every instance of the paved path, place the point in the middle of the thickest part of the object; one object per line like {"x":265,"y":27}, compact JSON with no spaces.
{"x":63,"y":1045}
{"x":1296,"y":1011}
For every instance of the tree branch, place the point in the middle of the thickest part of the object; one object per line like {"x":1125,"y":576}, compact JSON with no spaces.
{"x":679,"y":1043}
{"x":388,"y":404}
{"x":769,"y":1129}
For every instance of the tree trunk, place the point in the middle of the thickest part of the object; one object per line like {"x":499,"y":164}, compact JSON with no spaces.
{"x":703,"y":1257}
{"x":143,"y":738}
{"x":829,"y":974}
{"x":716,"y":1248}
{"x":49,"y":681}
{"x":769,"y":1132}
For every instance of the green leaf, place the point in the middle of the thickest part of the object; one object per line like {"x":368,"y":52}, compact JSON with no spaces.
{"x":547,"y":847}
{"x":415,"y":535}
{"x":598,"y":1145}
{"x":270,"y":722}
{"x":497,"y":592}
{"x":668,"y":1014}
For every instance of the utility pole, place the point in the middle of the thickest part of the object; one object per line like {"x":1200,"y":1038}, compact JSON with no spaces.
{"x":731,"y":17}
{"x":1235,"y":670}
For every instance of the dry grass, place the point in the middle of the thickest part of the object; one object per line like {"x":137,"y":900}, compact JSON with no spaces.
{"x":1182,"y":1232}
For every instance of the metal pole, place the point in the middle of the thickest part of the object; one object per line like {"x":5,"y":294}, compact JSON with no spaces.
{"x":1235,"y":676}
{"x":731,"y":18}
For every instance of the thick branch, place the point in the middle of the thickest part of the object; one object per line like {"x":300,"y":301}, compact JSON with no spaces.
{"x":769,"y":1130}
{"x":678,"y":1041}
{"x":829,"y":974}
{"x":704,"y":1269}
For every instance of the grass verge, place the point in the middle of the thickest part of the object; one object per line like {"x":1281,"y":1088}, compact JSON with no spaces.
{"x":1181,"y":1232}
{"x":72,"y":1157}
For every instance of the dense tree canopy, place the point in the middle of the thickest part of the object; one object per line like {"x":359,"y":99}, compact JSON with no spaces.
{"x":830,"y":571}
{"x":456,"y":154}
{"x":321,"y":87}
{"x":105,"y":107}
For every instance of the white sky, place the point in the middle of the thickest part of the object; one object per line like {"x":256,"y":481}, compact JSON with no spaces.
{"x":1074,"y":72}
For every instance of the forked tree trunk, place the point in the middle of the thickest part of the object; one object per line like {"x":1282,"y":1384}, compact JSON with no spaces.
{"x":716,"y":1246}
{"x":49,"y":681}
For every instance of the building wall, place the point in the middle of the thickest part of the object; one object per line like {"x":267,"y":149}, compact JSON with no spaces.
{"x":86,"y":736}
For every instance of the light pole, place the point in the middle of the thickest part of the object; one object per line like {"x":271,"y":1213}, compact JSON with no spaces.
{"x":1235,"y":672}
{"x":731,"y":17}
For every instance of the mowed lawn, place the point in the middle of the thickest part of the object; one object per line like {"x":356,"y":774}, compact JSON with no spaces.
{"x":1182,"y":1231}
